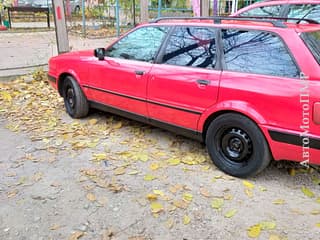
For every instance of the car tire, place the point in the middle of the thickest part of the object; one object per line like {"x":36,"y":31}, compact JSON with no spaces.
{"x":237,"y":146}
{"x":76,"y":103}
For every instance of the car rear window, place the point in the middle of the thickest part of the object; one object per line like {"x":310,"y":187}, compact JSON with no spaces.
{"x":312,"y":40}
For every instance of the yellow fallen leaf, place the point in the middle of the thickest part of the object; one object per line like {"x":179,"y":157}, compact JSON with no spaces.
{"x":267,"y":225}
{"x":274,"y":237}
{"x":318,"y":200}
{"x":262,"y":189}
{"x":230,"y":213}
{"x":158,"y":192}
{"x":170,"y":223}
{"x":89,"y":172}
{"x":187,"y":197}
{"x":186,"y":220}
{"x":154,"y":166}
{"x":204,"y":192}
{"x":248,"y":184}
{"x":117,"y":125}
{"x":120,"y":171}
{"x":206,"y":168}
{"x":254,"y":231}
{"x":217,"y":203}
{"x":228,"y":196}
{"x":279,"y":201}
{"x":315,"y":212}
{"x":12,"y":193}
{"x":316,"y":180}
{"x":37,"y":176}
{"x":55,"y":227}
{"x":173,"y":161}
{"x":133,"y":172}
{"x":93,"y":121}
{"x":292,"y":172}
{"x":152,"y":197}
{"x":91,"y":197}
{"x":306,"y":191}
{"x":149,"y":177}
{"x":143,"y":157}
{"x":6,"y":96}
{"x":318,"y":225}
{"x":76,"y":235}
{"x":249,"y":192}
{"x":99,"y":156}
{"x":181,"y":204}
{"x":156,"y":207}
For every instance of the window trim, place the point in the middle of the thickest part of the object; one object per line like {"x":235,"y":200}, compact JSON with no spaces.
{"x":305,"y":39}
{"x":272,"y":33}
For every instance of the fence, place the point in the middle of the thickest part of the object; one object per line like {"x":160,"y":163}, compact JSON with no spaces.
{"x":99,"y":17}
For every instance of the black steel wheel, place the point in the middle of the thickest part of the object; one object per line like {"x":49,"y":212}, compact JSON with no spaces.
{"x":74,"y":100}
{"x":237,"y":146}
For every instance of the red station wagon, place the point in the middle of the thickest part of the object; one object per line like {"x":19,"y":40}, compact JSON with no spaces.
{"x":248,"y":88}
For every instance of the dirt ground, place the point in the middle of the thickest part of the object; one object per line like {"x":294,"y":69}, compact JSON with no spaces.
{"x":105,"y":177}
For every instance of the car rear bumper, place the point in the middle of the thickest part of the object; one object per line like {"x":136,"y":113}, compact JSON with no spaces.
{"x":290,"y":145}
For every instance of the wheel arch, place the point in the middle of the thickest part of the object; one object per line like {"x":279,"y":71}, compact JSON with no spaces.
{"x":241,"y":108}
{"x":61,"y":79}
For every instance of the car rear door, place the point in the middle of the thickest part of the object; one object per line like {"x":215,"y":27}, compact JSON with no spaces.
{"x":186,"y":80}
{"x":120,"y":80}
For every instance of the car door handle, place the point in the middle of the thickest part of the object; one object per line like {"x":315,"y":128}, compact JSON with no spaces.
{"x":203,"y":82}
{"x":138,"y":72}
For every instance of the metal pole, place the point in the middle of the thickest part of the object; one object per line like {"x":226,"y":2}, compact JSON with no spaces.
{"x":83,"y":18}
{"x":159,"y":8}
{"x":134,"y":12}
{"x":215,"y":7}
{"x":61,"y":26}
{"x":118,"y":18}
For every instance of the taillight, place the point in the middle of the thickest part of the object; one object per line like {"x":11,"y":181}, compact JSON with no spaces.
{"x":316,"y":113}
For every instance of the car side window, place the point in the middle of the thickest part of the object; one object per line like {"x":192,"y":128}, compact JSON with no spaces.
{"x":257,"y":52}
{"x":266,"y":11}
{"x":310,"y":11}
{"x":140,"y":45}
{"x":192,"y":46}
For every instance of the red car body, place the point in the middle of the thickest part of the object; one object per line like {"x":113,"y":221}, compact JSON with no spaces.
{"x":187,"y":99}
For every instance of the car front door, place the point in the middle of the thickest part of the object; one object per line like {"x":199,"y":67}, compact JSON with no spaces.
{"x":185,"y":81}
{"x":120,"y":80}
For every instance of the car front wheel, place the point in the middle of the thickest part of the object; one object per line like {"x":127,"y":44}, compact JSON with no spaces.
{"x":237,"y":146}
{"x":74,"y":100}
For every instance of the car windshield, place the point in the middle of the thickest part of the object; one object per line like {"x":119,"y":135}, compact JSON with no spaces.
{"x":312,"y":39}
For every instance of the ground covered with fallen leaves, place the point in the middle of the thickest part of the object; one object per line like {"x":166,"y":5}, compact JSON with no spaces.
{"x":105,"y":177}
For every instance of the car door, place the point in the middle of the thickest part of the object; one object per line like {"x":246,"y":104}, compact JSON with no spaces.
{"x":120,"y":80}
{"x":186,"y":80}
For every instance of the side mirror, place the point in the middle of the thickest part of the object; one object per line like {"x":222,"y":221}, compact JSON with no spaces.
{"x":99,"y":53}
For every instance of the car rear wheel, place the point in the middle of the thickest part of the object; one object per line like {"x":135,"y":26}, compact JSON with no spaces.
{"x":237,"y":146}
{"x":75,"y":102}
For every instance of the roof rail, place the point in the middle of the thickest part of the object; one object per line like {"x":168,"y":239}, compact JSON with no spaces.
{"x":217,"y":20}
{"x":284,"y":19}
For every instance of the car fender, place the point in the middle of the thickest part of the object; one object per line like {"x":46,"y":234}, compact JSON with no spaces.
{"x":67,"y":71}
{"x":241,"y":107}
